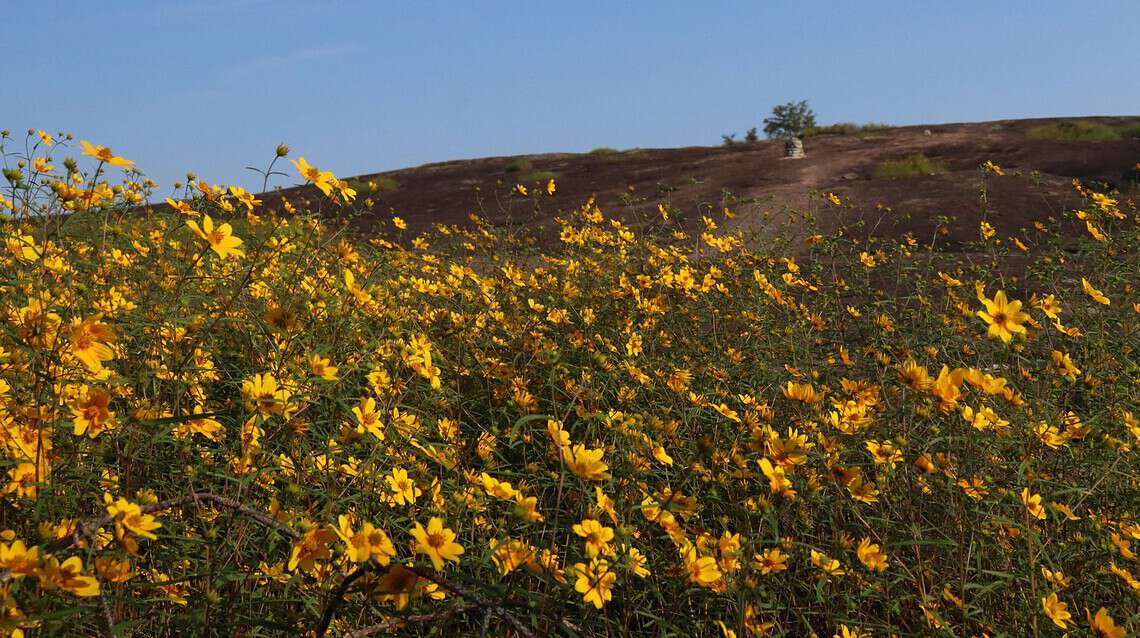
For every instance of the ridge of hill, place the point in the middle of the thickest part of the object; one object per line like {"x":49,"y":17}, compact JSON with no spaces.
{"x":870,"y":172}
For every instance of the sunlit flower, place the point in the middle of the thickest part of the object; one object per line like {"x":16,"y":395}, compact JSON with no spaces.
{"x":1004,"y":317}
{"x":437,"y":542}
{"x":221,"y":238}
{"x":104,"y":154}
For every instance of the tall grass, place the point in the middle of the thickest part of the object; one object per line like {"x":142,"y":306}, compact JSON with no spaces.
{"x":914,"y":165}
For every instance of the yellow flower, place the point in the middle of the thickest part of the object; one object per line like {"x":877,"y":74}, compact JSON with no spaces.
{"x":1064,"y":365}
{"x":594,"y":581}
{"x":947,"y":387}
{"x":777,"y":478}
{"x":322,"y":368}
{"x":1050,"y":435}
{"x":403,"y":489}
{"x":870,"y":555}
{"x":66,"y":576}
{"x":1056,"y":610}
{"x":368,"y":418}
{"x":916,"y":376}
{"x":245,"y":197}
{"x":863,"y":490}
{"x":182,"y":207}
{"x":311,"y":548}
{"x":267,"y":397}
{"x":826,"y":564}
{"x":23,"y":480}
{"x":1095,"y":294}
{"x":1104,"y":626}
{"x":884,"y":453}
{"x":702,"y":570}
{"x":802,"y":392}
{"x":597,"y":536}
{"x":585,"y":462}
{"x":437,"y":541}
{"x":637,"y":562}
{"x":130,"y":521}
{"x":19,"y":559}
{"x":347,"y":193}
{"x":320,"y":179}
{"x":1003,"y":316}
{"x":1032,"y":503}
{"x":367,"y":544}
{"x":1056,"y":578}
{"x":221,"y":238}
{"x":986,"y":230}
{"x":115,"y":571}
{"x":104,"y":154}
{"x":89,"y":339}
{"x":770,"y":561}
{"x":91,"y":415}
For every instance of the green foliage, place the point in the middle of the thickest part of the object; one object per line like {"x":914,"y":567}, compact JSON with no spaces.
{"x":847,"y":128}
{"x":910,"y":166}
{"x":538,"y":176}
{"x":789,"y":120}
{"x":386,"y":184}
{"x":381,"y":184}
{"x":518,"y":166}
{"x":1129,"y":131}
{"x":1081,"y":130}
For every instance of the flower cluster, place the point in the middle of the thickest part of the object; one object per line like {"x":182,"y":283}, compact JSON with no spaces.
{"x":236,"y":413}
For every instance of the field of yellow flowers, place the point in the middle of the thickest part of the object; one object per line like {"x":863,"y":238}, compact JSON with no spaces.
{"x":227,"y":418}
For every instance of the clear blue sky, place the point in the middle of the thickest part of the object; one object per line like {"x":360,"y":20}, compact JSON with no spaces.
{"x":213,"y":85}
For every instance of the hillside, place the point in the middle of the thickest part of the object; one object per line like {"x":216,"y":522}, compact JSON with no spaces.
{"x":631,"y":183}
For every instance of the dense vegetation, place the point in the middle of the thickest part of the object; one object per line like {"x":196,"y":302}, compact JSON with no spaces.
{"x":1083,"y":130}
{"x":225,"y":418}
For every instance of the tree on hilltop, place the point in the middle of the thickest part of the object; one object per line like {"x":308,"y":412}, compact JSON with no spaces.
{"x":789,"y":120}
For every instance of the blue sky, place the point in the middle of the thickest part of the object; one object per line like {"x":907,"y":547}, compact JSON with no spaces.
{"x":213,"y":85}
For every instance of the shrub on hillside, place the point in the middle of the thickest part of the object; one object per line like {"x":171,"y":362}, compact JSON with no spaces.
{"x":910,"y":166}
{"x":1074,"y":130}
{"x":846,"y":128}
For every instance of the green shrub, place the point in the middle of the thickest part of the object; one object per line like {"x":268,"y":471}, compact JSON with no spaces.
{"x":1074,"y":130}
{"x":910,"y":166}
{"x":538,"y":176}
{"x":382,"y":184}
{"x":386,"y":184}
{"x":1129,"y":131}
{"x":604,"y":150}
{"x":846,"y":128}
{"x":518,"y":166}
